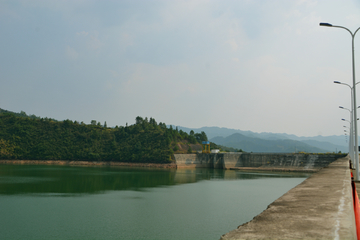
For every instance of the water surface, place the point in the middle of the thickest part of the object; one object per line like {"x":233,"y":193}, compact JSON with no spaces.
{"x":66,"y":202}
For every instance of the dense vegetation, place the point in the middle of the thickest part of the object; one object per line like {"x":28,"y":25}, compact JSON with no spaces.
{"x":34,"y":138}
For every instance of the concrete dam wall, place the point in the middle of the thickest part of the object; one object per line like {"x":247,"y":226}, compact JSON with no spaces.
{"x":257,"y":161}
{"x":321,"y":207}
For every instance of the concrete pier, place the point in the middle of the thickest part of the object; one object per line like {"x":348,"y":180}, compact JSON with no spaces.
{"x":321,"y":207}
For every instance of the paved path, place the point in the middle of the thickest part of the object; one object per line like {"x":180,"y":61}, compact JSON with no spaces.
{"x":318,"y":208}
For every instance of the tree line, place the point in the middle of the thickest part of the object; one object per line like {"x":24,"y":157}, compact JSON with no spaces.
{"x":34,"y":138}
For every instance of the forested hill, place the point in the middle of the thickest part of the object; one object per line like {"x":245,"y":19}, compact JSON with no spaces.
{"x":34,"y":138}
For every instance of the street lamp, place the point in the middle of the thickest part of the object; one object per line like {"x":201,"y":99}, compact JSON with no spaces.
{"x":345,"y":120}
{"x":357,"y":177}
{"x":351,"y":134}
{"x":351,"y":142}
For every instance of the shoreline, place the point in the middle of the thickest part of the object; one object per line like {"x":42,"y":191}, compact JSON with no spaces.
{"x":88,"y":163}
{"x":270,"y":169}
{"x":148,"y":165}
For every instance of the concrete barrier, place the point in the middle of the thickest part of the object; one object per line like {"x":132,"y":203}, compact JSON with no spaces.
{"x":193,"y":161}
{"x":257,"y":161}
{"x":321,"y":207}
{"x":281,"y":161}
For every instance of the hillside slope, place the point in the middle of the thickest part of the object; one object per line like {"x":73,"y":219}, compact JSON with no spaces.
{"x":45,"y":139}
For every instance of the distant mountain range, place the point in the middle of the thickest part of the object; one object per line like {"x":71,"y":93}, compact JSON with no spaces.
{"x":271,"y":142}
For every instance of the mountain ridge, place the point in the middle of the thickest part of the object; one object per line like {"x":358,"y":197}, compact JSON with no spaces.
{"x":319,"y":143}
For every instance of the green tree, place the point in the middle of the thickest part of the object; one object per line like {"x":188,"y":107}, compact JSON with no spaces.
{"x":201,"y":137}
{"x":189,"y":150}
{"x":32,"y":138}
{"x":139,"y":120}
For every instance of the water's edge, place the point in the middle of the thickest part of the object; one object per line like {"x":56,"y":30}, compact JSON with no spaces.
{"x":281,"y":162}
{"x":89,"y":163}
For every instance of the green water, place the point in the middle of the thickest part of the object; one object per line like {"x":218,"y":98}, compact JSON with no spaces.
{"x":62,"y":202}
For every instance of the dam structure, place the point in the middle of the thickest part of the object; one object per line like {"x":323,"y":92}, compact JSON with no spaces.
{"x":302,"y":162}
{"x":321,"y":207}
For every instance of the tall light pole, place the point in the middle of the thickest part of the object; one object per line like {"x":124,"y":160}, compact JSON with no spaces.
{"x":351,"y":142}
{"x":356,"y":159}
{"x":351,"y":133}
{"x":346,"y":137}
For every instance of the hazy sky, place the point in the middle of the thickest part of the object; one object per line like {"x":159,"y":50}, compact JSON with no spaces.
{"x":258,"y":65}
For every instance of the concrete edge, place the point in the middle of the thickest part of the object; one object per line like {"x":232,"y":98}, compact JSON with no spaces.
{"x":321,"y":207}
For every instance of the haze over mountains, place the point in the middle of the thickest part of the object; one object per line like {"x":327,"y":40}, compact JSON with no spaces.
{"x":271,"y":142}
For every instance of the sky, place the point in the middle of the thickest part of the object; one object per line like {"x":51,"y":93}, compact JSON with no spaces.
{"x":257,"y":65}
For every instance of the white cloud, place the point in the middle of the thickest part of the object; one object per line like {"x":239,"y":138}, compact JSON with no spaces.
{"x":71,"y":53}
{"x":233,"y":44}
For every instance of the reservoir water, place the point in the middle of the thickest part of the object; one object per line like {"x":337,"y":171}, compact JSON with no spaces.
{"x":66,"y":202}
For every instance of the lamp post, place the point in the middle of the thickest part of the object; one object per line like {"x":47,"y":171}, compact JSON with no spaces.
{"x":346,"y":137}
{"x":351,"y":135}
{"x":356,"y":159}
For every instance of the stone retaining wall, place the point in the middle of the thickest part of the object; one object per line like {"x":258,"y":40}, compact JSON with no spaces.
{"x":238,"y":160}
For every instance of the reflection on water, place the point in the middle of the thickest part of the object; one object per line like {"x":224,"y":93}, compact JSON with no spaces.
{"x":66,"y":202}
{"x":69,"y":180}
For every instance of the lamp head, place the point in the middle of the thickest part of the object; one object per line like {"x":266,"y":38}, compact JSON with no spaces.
{"x":325,"y":24}
{"x":337,"y":82}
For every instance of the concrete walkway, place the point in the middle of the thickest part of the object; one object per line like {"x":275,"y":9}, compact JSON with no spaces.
{"x":319,"y":208}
